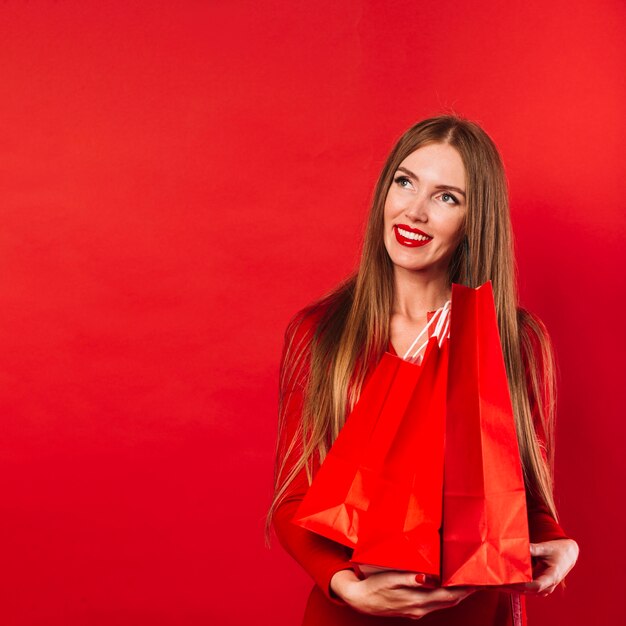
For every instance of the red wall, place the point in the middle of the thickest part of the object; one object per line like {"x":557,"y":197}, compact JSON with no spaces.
{"x":177,"y":180}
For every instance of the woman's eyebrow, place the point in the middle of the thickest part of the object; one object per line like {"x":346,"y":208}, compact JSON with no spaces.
{"x":412,"y":175}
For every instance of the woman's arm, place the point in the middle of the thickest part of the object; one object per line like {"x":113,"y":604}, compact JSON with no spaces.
{"x":320,"y":557}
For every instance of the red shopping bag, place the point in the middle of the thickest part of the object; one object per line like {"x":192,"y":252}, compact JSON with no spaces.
{"x":402,"y":527}
{"x":485,"y":526}
{"x":351,"y":475}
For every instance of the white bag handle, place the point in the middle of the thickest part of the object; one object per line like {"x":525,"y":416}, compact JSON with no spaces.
{"x":442,"y":316}
{"x":443,"y":320}
{"x":440,"y":332}
{"x":445,"y":334}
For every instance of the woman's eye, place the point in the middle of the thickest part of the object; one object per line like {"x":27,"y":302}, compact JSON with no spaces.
{"x":449,"y":195}
{"x":401,"y":179}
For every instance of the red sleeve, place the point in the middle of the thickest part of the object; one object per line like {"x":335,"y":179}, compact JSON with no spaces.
{"x":541,"y":524}
{"x":318,"y":556}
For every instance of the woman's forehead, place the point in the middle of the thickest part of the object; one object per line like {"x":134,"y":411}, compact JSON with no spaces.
{"x":439,"y":163}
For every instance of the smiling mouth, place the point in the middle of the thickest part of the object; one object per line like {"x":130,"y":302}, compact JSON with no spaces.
{"x":411,"y":238}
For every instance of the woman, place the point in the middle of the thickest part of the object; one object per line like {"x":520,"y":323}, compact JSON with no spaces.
{"x":440,"y":211}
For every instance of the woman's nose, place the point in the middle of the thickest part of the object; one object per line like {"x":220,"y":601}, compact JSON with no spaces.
{"x":417,"y":210}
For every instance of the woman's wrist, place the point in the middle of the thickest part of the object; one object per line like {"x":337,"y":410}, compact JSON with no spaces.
{"x":341,"y":582}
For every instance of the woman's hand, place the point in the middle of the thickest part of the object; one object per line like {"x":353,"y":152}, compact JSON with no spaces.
{"x":555,"y":559}
{"x":396,"y":594}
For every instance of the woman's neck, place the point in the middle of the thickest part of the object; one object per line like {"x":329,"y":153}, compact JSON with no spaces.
{"x":417,"y":292}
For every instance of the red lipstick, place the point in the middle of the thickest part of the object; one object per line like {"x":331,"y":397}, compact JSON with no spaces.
{"x":422,"y":239}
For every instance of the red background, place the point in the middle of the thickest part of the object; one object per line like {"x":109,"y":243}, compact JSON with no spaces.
{"x":178,"y":179}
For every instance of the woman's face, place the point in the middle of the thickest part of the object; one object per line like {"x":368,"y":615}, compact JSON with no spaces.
{"x":425,"y":208}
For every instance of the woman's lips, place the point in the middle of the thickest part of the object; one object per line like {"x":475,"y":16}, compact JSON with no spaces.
{"x":406,"y":241}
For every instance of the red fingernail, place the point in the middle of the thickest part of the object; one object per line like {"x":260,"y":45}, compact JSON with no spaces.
{"x":420,"y":578}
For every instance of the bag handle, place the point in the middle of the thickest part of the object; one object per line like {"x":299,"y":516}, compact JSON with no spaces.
{"x":445,"y":334}
{"x":441,"y":330}
{"x":441,"y":315}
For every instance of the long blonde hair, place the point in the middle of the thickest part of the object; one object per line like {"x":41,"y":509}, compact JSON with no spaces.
{"x":352,"y":325}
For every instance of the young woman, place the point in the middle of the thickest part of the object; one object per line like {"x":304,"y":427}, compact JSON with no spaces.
{"x":440,"y":211}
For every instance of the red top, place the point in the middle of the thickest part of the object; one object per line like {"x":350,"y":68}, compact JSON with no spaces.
{"x":321,"y":557}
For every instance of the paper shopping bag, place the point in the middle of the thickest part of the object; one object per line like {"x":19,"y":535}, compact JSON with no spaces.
{"x":350,"y":475}
{"x":339,"y":496}
{"x":485,"y":526}
{"x":402,"y":527}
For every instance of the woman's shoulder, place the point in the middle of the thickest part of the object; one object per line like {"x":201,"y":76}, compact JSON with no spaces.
{"x":297,"y":344}
{"x":320,"y":314}
{"x":304,"y":321}
{"x":301,"y":329}
{"x":327,"y":311}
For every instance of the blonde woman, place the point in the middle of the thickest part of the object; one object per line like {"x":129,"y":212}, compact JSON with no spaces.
{"x":440,"y":212}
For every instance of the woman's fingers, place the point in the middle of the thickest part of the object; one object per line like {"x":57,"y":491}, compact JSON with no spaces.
{"x":403,"y":594}
{"x":555,"y":559}
{"x":443,"y":597}
{"x":428,"y":595}
{"x":547,"y":591}
{"x":541,"y":549}
{"x":547,"y":579}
